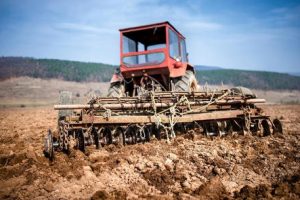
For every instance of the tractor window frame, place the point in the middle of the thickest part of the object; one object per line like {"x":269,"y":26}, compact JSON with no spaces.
{"x":174,"y":51}
{"x":183,"y":52}
{"x":129,"y":45}
{"x":154,"y":58}
{"x":144,"y":40}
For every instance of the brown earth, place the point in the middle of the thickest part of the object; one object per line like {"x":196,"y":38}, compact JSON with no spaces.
{"x":189,"y":167}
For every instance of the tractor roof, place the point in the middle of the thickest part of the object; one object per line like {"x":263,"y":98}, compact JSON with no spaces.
{"x":160,"y":24}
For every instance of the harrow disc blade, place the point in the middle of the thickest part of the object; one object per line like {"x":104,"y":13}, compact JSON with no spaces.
{"x":48,"y":146}
{"x":130,"y":135}
{"x":266,"y":127}
{"x":277,"y":126}
{"x":81,"y":141}
{"x":119,"y":136}
{"x":96,"y":135}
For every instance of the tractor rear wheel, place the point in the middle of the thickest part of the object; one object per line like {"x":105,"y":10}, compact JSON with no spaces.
{"x":186,"y":83}
{"x":116,"y":90}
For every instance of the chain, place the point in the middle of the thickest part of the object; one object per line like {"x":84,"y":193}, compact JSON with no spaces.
{"x":173,"y":111}
{"x":66,"y":138}
{"x":209,"y":103}
{"x":247,"y":115}
{"x":63,"y":136}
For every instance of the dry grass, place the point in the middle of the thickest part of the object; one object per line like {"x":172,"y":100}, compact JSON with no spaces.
{"x":29,"y":92}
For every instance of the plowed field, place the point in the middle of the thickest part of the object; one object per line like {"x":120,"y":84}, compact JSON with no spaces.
{"x":189,"y":167}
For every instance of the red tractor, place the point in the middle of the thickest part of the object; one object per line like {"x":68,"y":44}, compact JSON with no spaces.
{"x":152,"y":57}
{"x":154,"y":94}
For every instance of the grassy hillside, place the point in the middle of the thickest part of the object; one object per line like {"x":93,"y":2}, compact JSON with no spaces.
{"x":84,"y":71}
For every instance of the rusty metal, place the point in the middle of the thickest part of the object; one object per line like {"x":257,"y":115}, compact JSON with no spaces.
{"x":149,"y":105}
{"x":129,"y":120}
{"x":142,"y":119}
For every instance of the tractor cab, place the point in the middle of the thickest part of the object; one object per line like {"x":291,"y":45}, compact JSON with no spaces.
{"x":152,"y":49}
{"x":152,"y":57}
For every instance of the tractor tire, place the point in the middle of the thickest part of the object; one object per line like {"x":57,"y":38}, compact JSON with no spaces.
{"x":116,"y":90}
{"x":186,"y":83}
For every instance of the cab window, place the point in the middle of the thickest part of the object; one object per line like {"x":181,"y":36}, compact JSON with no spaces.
{"x":183,"y":51}
{"x":173,"y":44}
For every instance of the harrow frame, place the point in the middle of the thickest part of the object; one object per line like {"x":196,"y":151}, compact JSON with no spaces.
{"x":128,"y":120}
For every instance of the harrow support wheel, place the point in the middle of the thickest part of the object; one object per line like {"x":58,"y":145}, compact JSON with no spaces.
{"x":186,"y":83}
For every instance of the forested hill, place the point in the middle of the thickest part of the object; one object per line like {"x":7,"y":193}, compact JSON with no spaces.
{"x":52,"y":68}
{"x":251,"y":79}
{"x":85,"y":71}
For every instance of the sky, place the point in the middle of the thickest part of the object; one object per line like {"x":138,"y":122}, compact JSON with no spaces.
{"x":238,"y":34}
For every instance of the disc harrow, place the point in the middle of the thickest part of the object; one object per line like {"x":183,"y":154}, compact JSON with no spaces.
{"x":162,"y":115}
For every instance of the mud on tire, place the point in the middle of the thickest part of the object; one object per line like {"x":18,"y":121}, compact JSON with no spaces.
{"x":186,"y":83}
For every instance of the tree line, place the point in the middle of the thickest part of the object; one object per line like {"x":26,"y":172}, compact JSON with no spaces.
{"x":89,"y":71}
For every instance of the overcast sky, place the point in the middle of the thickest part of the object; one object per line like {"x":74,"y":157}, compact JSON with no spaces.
{"x":242,"y":34}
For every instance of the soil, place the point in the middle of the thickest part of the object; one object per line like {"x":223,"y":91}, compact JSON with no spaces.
{"x":197,"y":167}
